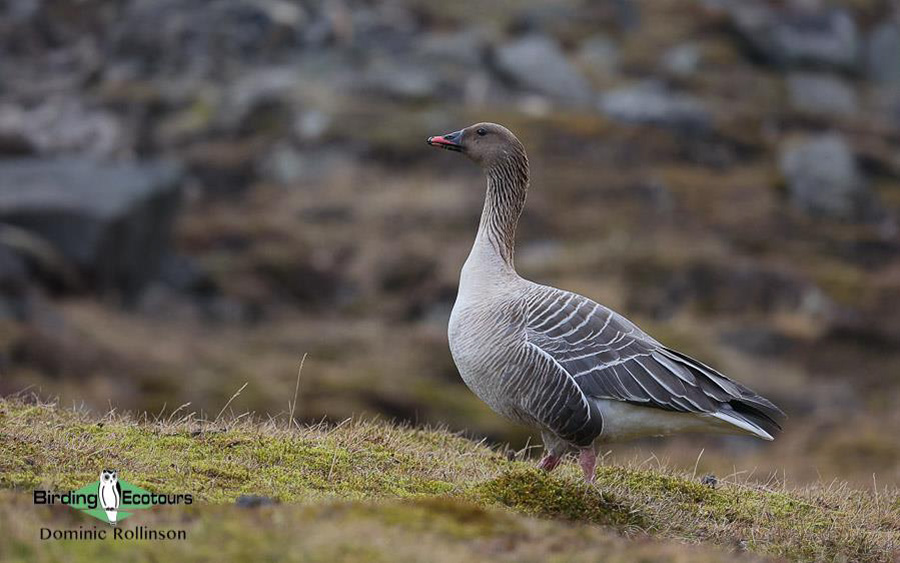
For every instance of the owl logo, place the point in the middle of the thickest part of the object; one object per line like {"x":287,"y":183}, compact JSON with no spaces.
{"x":110,"y":494}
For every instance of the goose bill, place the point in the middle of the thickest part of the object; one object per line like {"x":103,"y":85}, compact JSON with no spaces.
{"x":444,"y":142}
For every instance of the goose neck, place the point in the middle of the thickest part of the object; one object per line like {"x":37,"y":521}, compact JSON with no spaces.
{"x":507,"y":187}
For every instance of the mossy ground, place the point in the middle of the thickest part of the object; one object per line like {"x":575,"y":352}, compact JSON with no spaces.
{"x":375,"y":491}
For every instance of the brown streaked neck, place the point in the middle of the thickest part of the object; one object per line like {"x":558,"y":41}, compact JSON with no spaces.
{"x":507,"y":186}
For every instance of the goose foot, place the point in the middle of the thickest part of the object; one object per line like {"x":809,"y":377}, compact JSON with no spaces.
{"x":549,"y":462}
{"x":587,"y":459}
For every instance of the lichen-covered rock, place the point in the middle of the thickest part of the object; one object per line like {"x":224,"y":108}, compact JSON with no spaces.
{"x":110,"y":221}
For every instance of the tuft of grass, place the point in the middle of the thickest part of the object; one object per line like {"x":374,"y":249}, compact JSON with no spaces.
{"x":532,"y":491}
{"x":404,"y":483}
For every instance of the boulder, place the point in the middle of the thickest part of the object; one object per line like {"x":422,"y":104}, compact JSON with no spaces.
{"x":396,"y":79}
{"x":682,"y":60}
{"x":537,"y":63}
{"x":823,"y":177}
{"x":883,"y":53}
{"x":196,"y":36}
{"x":110,"y":221}
{"x":61,"y":124}
{"x":820,"y":38}
{"x":651,"y":104}
{"x":821,"y":94}
{"x":288,"y":165}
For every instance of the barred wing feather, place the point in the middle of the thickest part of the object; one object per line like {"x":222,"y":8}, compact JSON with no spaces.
{"x":611,"y":358}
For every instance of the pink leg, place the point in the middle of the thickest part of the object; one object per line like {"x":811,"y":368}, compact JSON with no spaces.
{"x":549,"y":462}
{"x":587,"y":459}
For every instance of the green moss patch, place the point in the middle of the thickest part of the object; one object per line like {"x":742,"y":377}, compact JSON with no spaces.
{"x":534,"y":492}
{"x":408,"y":483}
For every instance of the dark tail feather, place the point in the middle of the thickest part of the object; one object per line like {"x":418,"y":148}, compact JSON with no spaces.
{"x":759,"y":412}
{"x":754,"y":408}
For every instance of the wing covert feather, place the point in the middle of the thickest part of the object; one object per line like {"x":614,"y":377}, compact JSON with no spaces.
{"x":611,"y":358}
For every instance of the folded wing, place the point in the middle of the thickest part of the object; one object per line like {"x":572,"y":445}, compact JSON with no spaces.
{"x":609,"y":357}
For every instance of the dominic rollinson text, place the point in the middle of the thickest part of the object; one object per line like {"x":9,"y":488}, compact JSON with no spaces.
{"x":94,"y":533}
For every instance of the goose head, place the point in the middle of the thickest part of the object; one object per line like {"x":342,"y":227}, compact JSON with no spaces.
{"x":488,"y":144}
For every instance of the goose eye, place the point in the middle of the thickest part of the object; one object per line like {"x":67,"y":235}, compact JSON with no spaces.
{"x":481,"y":132}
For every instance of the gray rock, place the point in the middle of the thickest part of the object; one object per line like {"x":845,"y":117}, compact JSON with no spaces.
{"x":537,"y":63}
{"x":400,"y":80}
{"x":383,"y":27}
{"x":550,"y":18}
{"x":821,"y":94}
{"x":628,"y":14}
{"x":883,"y":53}
{"x":651,"y":104}
{"x":287,"y":165}
{"x":798,"y":38}
{"x":62,"y":124}
{"x":197,"y":36}
{"x":823,"y":178}
{"x":885,"y":102}
{"x":312,"y":126}
{"x":682,"y":60}
{"x":21,"y":11}
{"x":110,"y":221}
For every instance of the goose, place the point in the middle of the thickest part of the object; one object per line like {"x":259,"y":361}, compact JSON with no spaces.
{"x":577,"y":371}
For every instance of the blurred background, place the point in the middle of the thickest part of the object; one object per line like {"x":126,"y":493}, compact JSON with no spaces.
{"x":194,"y":194}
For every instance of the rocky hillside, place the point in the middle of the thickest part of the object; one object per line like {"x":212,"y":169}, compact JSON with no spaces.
{"x":195,"y":194}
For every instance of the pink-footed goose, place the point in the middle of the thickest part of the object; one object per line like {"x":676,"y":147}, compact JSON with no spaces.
{"x":557,"y":361}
